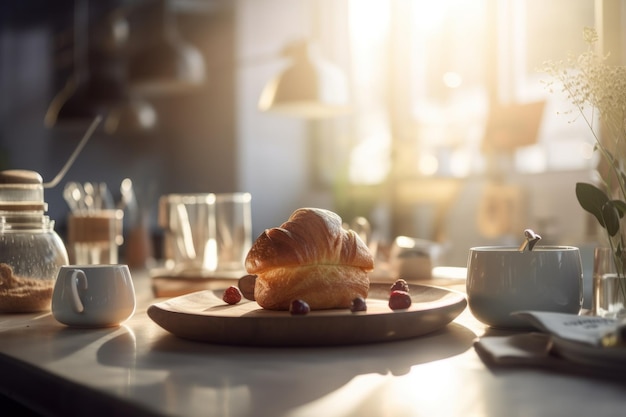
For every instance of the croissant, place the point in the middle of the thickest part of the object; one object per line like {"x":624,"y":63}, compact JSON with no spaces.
{"x":309,"y":257}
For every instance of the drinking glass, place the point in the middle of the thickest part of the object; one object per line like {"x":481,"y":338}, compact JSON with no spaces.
{"x":233,"y":230}
{"x":206,"y":232}
{"x":94,"y":237}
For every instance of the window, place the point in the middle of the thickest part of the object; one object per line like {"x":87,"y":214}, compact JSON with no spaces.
{"x":428,"y":74}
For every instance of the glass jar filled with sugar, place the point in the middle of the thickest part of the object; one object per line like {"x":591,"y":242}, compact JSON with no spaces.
{"x":31,"y":252}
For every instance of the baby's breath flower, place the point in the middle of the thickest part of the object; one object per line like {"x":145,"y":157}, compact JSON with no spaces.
{"x":590,"y":35}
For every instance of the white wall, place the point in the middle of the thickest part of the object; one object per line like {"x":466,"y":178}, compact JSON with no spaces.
{"x":272,"y":148}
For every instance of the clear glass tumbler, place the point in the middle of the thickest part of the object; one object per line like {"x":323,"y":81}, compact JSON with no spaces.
{"x":233,"y":231}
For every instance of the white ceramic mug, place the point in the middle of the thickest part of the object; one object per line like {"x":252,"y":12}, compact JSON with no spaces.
{"x":93,"y":295}
{"x":502,"y":280}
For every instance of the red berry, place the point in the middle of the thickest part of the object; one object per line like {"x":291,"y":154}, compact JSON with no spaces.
{"x":232,"y":295}
{"x":299,"y":307}
{"x":358,"y":304}
{"x":400,"y":285}
{"x":399,"y":300}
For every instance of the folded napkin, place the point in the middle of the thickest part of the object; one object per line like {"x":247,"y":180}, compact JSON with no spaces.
{"x":519,"y":349}
{"x":567,"y":342}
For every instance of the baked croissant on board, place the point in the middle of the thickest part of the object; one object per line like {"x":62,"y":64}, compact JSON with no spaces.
{"x":310,"y":257}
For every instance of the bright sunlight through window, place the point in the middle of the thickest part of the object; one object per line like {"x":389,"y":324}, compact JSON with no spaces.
{"x":369,"y":28}
{"x":427,"y":74}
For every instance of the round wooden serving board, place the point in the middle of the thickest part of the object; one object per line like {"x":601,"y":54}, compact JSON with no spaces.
{"x":203,"y":316}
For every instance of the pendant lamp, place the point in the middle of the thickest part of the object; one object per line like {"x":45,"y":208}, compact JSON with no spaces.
{"x":85,"y":97}
{"x":101,"y":92}
{"x":310,"y":87}
{"x":165,"y":63}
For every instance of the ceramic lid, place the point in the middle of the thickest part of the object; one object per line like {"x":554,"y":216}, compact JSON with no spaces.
{"x":21,"y":190}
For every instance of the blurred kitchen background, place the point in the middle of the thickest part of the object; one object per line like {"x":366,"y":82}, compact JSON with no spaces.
{"x":451,"y":134}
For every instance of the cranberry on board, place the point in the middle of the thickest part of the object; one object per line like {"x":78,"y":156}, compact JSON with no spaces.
{"x":400,"y":285}
{"x":358,"y":304}
{"x":399,"y":300}
{"x":299,"y":307}
{"x":232,"y":295}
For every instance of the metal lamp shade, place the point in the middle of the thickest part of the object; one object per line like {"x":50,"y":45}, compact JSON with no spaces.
{"x":78,"y":103}
{"x":310,"y":87}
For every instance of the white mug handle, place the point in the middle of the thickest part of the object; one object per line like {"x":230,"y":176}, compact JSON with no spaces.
{"x":78,"y":277}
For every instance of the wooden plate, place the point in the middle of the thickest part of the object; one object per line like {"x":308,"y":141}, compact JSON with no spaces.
{"x":203,"y":316}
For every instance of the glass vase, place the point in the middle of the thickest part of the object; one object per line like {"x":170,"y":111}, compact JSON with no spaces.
{"x":609,"y":286}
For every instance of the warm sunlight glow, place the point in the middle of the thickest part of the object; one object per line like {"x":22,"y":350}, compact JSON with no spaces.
{"x":437,"y":59}
{"x":460,"y":163}
{"x":430,"y":15}
{"x":452,"y":79}
{"x":369,"y":20}
{"x":369,"y":32}
{"x":369,"y":161}
{"x":531,"y":159}
{"x":428,"y":164}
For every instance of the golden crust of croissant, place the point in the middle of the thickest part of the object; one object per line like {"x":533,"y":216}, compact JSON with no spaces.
{"x":312,"y":258}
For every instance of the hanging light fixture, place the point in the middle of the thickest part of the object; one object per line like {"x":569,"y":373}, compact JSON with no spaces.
{"x":100,"y":92}
{"x":310,"y":87}
{"x":85,"y":98}
{"x":165,"y":63}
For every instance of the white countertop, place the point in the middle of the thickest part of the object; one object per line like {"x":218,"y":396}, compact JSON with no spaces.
{"x":139,"y":369}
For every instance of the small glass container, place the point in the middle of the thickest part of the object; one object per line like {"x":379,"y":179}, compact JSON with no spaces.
{"x":609,"y":286}
{"x":31,"y":252}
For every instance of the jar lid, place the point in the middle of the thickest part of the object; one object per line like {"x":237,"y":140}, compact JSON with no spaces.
{"x":21,"y":190}
{"x":20,"y":176}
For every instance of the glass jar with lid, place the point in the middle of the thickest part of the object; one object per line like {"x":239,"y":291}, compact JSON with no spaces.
{"x":31,"y":252}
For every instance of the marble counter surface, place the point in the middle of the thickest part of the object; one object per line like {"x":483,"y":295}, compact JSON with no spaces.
{"x":138,"y":369}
